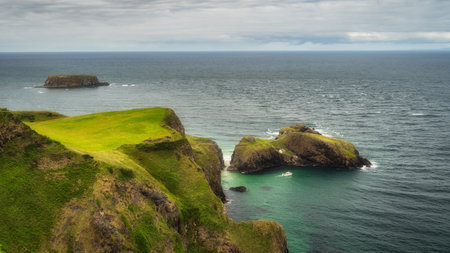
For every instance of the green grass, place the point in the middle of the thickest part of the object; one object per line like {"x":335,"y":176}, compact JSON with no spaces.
{"x":32,"y":195}
{"x":345,"y":146}
{"x":145,"y":229}
{"x":185,"y":181}
{"x":256,"y":236}
{"x":204,"y":155}
{"x":107,"y":130}
{"x":37,"y":116}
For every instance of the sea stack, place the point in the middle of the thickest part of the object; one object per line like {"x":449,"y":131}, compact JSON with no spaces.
{"x":297,"y":146}
{"x":72,"y":81}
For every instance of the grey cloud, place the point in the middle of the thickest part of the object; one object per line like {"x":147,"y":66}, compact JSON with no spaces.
{"x":123,"y":25}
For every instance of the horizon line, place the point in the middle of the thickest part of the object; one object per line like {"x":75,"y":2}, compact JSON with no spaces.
{"x":230,"y":51}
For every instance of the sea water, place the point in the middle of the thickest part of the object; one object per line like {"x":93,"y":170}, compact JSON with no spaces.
{"x":394,"y":106}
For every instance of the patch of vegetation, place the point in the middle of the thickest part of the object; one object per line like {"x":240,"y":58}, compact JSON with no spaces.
{"x":107,"y":130}
{"x":146,"y":231}
{"x":257,"y":236}
{"x":31,"y":196}
{"x":126,"y":174}
{"x":184,"y":180}
{"x":37,"y":116}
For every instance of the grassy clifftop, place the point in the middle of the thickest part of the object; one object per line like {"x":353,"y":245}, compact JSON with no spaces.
{"x":138,"y":185}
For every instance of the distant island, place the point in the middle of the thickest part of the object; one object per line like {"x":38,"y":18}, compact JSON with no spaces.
{"x":72,"y":81}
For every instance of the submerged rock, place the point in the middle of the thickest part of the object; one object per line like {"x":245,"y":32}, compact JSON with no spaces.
{"x":238,"y":189}
{"x":298,"y":146}
{"x":72,"y":81}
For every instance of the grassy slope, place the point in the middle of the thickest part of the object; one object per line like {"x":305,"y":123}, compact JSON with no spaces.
{"x":346,"y":147}
{"x":165,"y":166}
{"x":105,"y":131}
{"x":37,"y":177}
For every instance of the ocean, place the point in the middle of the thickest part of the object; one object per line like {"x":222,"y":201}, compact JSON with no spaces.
{"x":394,"y":106}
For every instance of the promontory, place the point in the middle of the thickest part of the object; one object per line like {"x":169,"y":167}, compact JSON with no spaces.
{"x":123,"y":181}
{"x":297,"y":146}
{"x":72,"y":81}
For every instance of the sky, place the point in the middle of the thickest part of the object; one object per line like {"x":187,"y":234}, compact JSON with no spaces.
{"x":213,"y":25}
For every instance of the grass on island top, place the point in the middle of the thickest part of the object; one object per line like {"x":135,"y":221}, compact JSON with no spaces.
{"x":106,"y":130}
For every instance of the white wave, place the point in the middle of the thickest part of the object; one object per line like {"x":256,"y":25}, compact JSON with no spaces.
{"x":27,"y":88}
{"x":417,"y":114}
{"x":40,"y":92}
{"x":272,"y":134}
{"x":322,"y":132}
{"x":372,"y":167}
{"x":125,"y":85}
{"x":227,"y":160}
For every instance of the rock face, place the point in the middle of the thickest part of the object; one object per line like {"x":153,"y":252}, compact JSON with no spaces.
{"x":298,"y":146}
{"x":72,"y":81}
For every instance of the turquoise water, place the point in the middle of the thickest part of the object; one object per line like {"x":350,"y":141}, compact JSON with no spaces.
{"x":393,"y":106}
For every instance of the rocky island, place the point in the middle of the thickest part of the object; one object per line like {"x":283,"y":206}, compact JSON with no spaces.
{"x":124,"y":181}
{"x":298,"y":146}
{"x":72,"y":81}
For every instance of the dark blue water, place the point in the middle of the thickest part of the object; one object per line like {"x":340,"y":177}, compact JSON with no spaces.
{"x":395,"y":107}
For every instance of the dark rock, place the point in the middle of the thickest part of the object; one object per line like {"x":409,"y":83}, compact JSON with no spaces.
{"x":238,"y":189}
{"x":158,"y":198}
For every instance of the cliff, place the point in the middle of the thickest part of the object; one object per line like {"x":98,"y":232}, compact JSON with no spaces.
{"x":209,"y":157}
{"x":127,"y":181}
{"x":72,"y":81}
{"x":298,"y":146}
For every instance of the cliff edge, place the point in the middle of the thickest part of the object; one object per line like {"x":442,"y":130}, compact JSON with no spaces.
{"x":298,"y":146}
{"x":124,"y":181}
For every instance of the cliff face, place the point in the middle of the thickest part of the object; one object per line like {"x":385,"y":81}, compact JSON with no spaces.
{"x":209,"y":157}
{"x":295,"y":146}
{"x":154,"y":196}
{"x":72,"y":81}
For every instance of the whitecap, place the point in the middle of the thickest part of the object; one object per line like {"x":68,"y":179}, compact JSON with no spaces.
{"x":373,"y":166}
{"x":417,"y":114}
{"x":322,"y":132}
{"x":28,"y":87}
{"x":227,"y":160}
{"x":272,"y":134}
{"x":41,"y":92}
{"x":125,"y":85}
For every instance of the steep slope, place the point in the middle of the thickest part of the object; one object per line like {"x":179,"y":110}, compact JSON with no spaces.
{"x":209,"y":157}
{"x":150,"y":193}
{"x":295,"y":146}
{"x":38,"y":177}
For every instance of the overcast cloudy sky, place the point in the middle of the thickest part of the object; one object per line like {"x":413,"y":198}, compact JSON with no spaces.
{"x":155,"y":25}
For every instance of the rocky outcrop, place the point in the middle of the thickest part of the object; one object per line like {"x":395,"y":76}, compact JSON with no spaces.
{"x":171,"y":119}
{"x":209,"y":157}
{"x":72,"y":81}
{"x":238,"y":189}
{"x":298,"y":146}
{"x":10,"y":128}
